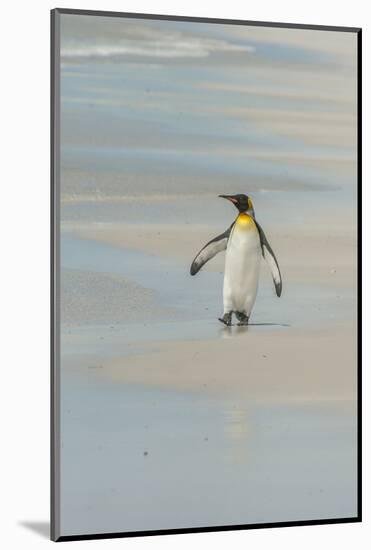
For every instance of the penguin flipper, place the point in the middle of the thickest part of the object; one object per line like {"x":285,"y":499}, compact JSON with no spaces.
{"x":210,"y":250}
{"x":271,"y":260}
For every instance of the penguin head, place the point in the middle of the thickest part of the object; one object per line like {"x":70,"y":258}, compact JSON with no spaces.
{"x":243,"y":203}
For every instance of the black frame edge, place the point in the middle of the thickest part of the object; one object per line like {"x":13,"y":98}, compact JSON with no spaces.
{"x":359,"y":273}
{"x":189,"y":18}
{"x":195,"y":530}
{"x":52,"y":271}
{"x":54,"y":279}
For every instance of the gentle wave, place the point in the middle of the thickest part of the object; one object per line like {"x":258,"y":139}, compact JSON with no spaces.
{"x":99,"y":197}
{"x":192,"y":47}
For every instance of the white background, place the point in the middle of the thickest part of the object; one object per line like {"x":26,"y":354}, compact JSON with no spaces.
{"x":24,"y":305}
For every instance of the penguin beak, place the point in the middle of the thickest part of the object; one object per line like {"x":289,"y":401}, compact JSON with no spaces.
{"x":229,"y":198}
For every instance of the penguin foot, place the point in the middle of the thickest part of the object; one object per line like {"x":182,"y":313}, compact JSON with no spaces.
{"x":243,"y":318}
{"x":226,"y":319}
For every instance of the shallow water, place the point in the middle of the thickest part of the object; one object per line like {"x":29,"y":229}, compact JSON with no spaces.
{"x":137,"y":458}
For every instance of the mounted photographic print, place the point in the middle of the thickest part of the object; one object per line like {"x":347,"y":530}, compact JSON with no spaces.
{"x":205,"y":274}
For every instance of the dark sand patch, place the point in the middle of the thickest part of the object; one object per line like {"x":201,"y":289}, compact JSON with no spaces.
{"x":99,"y":298}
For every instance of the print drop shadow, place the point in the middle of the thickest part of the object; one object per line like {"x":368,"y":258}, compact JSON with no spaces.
{"x":42,"y":528}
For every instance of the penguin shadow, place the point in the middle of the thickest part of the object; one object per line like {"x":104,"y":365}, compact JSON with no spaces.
{"x":267,"y":325}
{"x":235,"y":328}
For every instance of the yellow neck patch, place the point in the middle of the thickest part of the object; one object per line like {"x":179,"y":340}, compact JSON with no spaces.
{"x":244,"y":221}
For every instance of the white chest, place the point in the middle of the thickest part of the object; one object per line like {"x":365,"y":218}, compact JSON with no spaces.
{"x":242,"y":264}
{"x":244,"y":243}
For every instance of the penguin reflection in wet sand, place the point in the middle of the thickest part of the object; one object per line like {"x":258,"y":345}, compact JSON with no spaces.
{"x":245,"y":243}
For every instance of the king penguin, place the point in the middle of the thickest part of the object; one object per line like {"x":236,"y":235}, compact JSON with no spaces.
{"x":245,"y":243}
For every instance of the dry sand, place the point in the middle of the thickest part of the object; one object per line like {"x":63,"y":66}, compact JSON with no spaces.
{"x":274,"y":366}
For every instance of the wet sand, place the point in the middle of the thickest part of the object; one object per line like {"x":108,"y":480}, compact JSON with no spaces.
{"x":103,"y":298}
{"x":273,"y":359}
{"x":264,"y":410}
